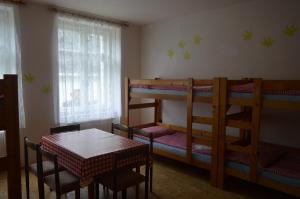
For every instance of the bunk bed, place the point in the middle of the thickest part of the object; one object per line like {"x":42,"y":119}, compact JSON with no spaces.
{"x":185,"y":144}
{"x":267,"y":164}
{"x":9,"y":123}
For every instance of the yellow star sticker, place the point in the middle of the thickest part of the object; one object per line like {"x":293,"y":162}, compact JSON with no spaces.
{"x":170,"y":53}
{"x":247,"y":36}
{"x":46,"y":89}
{"x":267,"y":42}
{"x":187,"y":55}
{"x":290,"y":30}
{"x":197,"y":40}
{"x":28,"y":78}
{"x":181,"y":44}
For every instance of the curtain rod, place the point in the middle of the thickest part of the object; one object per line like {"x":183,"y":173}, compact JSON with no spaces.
{"x":18,"y":2}
{"x":86,"y":16}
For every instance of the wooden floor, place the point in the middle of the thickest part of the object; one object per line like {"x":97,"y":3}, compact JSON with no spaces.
{"x":174,"y":180}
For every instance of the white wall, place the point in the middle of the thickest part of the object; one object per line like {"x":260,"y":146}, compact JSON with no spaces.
{"x":36,"y":30}
{"x":224,"y":52}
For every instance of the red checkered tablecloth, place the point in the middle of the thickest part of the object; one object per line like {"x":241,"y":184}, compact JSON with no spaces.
{"x":88,"y":153}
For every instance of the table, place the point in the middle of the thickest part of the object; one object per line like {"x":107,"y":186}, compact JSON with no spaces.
{"x":87,"y":153}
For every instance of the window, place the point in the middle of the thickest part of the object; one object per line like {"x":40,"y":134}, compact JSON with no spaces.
{"x":10,"y":56}
{"x":89,"y":70}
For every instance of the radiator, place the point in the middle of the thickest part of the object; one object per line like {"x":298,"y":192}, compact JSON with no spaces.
{"x":2,"y":144}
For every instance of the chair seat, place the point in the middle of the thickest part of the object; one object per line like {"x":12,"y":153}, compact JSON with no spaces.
{"x":67,"y":181}
{"x":125,"y":179}
{"x":48,"y":168}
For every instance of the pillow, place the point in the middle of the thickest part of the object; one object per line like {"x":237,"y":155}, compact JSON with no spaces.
{"x":156,"y":131}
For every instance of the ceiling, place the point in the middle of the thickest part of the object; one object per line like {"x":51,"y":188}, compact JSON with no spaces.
{"x":140,"y":12}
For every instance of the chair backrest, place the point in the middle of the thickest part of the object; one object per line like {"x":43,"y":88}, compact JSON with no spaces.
{"x":131,"y":158}
{"x":53,"y":158}
{"x":62,"y":129}
{"x":120,"y":127}
{"x":32,"y":146}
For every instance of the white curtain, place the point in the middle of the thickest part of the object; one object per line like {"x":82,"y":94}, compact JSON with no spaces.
{"x":89,"y":70}
{"x":10,"y":53}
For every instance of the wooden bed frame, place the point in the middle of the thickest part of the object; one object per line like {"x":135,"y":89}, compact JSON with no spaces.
{"x":248,"y":121}
{"x":9,"y":122}
{"x":208,"y":139}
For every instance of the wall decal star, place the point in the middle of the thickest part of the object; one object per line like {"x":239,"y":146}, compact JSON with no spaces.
{"x":247,"y":36}
{"x":290,"y":30}
{"x":171,"y":53}
{"x":28,"y":78}
{"x":187,"y":55}
{"x":197,"y":40}
{"x":267,"y":42}
{"x":46,"y":89}
{"x":181,"y":44}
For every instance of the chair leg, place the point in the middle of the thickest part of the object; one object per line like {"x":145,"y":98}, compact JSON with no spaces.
{"x":137,"y":191}
{"x":115,"y":195}
{"x":124,"y":194}
{"x":151,"y":177}
{"x":77,"y":193}
{"x":27,"y":184}
{"x":97,"y":190}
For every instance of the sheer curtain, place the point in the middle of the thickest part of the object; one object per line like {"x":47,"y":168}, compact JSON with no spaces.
{"x":88,"y":77}
{"x":10,"y":54}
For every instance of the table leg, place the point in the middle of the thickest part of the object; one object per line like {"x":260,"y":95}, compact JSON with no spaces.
{"x":91,"y":191}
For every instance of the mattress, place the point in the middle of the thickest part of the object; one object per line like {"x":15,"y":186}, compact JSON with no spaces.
{"x":286,"y":170}
{"x":238,"y":91}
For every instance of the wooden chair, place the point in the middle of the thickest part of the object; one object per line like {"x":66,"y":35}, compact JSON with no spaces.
{"x":123,"y":177}
{"x":48,"y":166}
{"x":61,"y":182}
{"x":62,"y":129}
{"x":120,"y":127}
{"x":131,"y":132}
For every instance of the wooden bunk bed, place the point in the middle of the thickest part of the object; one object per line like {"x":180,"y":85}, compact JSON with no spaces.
{"x":247,"y":157}
{"x":185,"y":144}
{"x":9,"y":122}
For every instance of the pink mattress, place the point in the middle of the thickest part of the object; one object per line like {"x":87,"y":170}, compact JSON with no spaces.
{"x":244,"y":88}
{"x":176,"y":88}
{"x":288,"y":166}
{"x":269,"y":155}
{"x":178,"y":140}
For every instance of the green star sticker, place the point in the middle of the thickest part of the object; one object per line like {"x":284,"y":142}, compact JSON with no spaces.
{"x":46,"y":89}
{"x":170,"y":53}
{"x":267,"y":42}
{"x":28,"y":78}
{"x":187,"y":55}
{"x":290,"y":30}
{"x":197,"y":40}
{"x":181,"y":44}
{"x":247,"y":36}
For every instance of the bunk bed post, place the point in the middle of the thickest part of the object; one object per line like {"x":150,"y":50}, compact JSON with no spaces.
{"x":256,"y":111}
{"x":158,"y":109}
{"x":11,"y":113}
{"x":126,"y":103}
{"x":222,"y":132}
{"x":189,"y":129}
{"x":215,"y":130}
